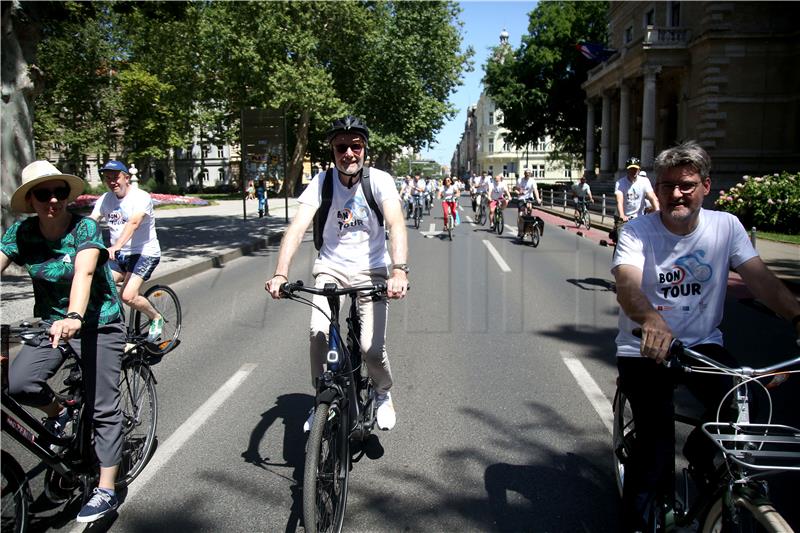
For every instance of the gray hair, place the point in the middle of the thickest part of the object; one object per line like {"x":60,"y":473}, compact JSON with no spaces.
{"x":688,"y":153}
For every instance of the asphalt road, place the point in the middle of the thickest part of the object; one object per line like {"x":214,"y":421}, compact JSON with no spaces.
{"x":503,"y":359}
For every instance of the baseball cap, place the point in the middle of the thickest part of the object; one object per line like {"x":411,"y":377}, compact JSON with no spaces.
{"x":115,"y":165}
{"x":632,"y":162}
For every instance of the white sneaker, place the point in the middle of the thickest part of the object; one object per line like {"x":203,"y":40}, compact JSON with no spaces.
{"x":309,"y":421}
{"x":385,"y":415}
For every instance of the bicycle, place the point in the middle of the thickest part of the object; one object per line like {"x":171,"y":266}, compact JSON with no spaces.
{"x":344,"y":410}
{"x":582,"y":216}
{"x":481,"y":217}
{"x":450,"y":221}
{"x":497,"y":223}
{"x":532,"y":226}
{"x":166,"y":302}
{"x":417,"y":210}
{"x":737,"y":499}
{"x":70,"y":461}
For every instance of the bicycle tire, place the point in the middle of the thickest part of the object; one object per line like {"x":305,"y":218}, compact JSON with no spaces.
{"x":139,"y":407}
{"x":622,"y":437}
{"x":327,"y":470}
{"x":16,"y":495}
{"x":587,"y":220}
{"x":166,"y":302}
{"x":499,"y":222}
{"x":417,"y":217}
{"x":535,"y":235}
{"x":450,"y":222}
{"x":753,"y":517}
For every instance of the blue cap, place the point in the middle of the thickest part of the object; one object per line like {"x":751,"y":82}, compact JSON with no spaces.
{"x":115,"y":165}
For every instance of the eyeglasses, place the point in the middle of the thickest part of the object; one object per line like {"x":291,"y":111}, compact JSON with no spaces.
{"x":44,"y":195}
{"x":356,"y":148}
{"x":685,"y":187}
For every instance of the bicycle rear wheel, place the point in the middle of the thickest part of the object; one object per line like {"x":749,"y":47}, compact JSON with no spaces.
{"x":16,"y":495}
{"x":587,"y":220}
{"x":499,"y":222}
{"x":751,"y":517}
{"x":139,"y":406}
{"x":166,"y":302}
{"x":327,"y":470}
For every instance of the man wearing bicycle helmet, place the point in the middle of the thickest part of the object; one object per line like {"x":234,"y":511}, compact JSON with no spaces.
{"x":671,"y":269}
{"x":353,"y":252}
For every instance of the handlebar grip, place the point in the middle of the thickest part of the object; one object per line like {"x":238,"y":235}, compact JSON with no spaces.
{"x":675,"y":347}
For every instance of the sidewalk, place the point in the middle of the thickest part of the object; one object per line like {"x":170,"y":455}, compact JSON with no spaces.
{"x":782,"y":258}
{"x":193,"y":239}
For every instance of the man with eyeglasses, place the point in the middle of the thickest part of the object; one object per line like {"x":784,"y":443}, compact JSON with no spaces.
{"x":134,"y":252}
{"x":353,"y":252}
{"x":671,"y":269}
{"x":630,"y":192}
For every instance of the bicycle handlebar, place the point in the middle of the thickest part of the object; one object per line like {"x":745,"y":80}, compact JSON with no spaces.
{"x":332,"y":290}
{"x":678,"y":349}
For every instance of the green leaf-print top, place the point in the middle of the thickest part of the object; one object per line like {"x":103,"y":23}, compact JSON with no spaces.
{"x":51,"y":265}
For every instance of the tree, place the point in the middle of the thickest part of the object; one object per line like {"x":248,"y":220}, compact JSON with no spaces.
{"x":538,"y":86}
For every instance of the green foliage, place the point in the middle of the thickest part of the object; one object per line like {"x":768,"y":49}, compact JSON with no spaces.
{"x":538,"y":86}
{"x":769,"y":202}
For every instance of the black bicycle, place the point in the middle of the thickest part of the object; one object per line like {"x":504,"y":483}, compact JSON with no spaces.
{"x":480,"y":219}
{"x":532,"y":226}
{"x":417,"y":199}
{"x":344,"y":415}
{"x":497,"y":223}
{"x":166,"y":302}
{"x":737,"y":498}
{"x":70,"y":460}
{"x":582,"y":215}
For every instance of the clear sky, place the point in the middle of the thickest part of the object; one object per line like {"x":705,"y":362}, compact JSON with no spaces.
{"x":483,"y":22}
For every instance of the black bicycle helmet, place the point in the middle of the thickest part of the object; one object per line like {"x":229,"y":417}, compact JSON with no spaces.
{"x":633,"y":162}
{"x":347,"y":123}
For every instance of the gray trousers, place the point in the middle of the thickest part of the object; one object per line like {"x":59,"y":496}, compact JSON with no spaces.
{"x":373,"y":317}
{"x":100,"y":355}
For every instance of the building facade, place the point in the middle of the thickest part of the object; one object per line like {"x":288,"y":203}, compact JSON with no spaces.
{"x":722,"y":73}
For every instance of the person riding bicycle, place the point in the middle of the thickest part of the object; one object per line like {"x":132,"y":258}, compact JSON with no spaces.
{"x":418,"y":192}
{"x":474,"y":183}
{"x":431,"y":187}
{"x":581,"y":191}
{"x":448,"y":193}
{"x":481,"y":189}
{"x":630,"y":193}
{"x":527,"y":192}
{"x":353,"y":252}
{"x":74,"y":293}
{"x":671,"y":270}
{"x":405,"y":195}
{"x":498,"y":195}
{"x":135,"y":251}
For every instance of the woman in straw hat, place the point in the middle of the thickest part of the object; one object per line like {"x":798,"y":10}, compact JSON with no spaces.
{"x":73,"y":291}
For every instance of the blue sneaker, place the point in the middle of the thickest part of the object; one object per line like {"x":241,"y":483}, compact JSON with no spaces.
{"x":58,"y":426}
{"x":100,"y":505}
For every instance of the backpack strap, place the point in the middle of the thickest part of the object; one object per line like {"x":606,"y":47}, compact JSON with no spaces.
{"x":321,"y":216}
{"x":366,"y":187}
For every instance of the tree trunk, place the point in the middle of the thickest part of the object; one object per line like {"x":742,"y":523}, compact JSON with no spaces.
{"x":21,"y":82}
{"x":172,"y":175}
{"x":294,"y":178}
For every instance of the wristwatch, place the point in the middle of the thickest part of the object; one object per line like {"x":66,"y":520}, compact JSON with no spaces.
{"x":401,"y":266}
{"x":76,"y":316}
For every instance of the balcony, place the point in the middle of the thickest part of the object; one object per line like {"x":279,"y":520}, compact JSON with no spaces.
{"x":656,"y":37}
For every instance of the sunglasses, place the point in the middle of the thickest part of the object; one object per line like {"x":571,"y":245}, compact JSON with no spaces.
{"x":44,"y":195}
{"x":356,"y":148}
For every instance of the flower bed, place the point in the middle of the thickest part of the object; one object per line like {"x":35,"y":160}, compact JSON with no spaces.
{"x":88,"y":200}
{"x":769,"y":202}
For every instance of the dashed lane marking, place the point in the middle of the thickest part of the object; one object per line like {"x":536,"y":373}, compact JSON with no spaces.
{"x":497,"y":257}
{"x":591,"y":389}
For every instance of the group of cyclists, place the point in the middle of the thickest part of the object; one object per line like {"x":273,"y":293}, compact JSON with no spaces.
{"x":351,"y":206}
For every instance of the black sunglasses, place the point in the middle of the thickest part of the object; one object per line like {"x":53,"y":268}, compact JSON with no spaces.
{"x":356,"y":148}
{"x":44,"y":195}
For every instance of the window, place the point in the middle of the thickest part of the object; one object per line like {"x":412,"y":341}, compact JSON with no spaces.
{"x":650,"y":18}
{"x":205,"y":174}
{"x":541,"y":145}
{"x":568,"y":172}
{"x":628,"y":34}
{"x":538,"y":171}
{"x":506,"y":147}
{"x":491,"y":117}
{"x":220,"y":151}
{"x":675,"y":14}
{"x":491,"y":146}
{"x":505,"y":171}
{"x":204,"y":148}
{"x":221,"y":177}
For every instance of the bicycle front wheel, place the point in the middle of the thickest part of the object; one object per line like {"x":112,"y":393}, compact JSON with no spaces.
{"x":535,"y":235}
{"x":16,"y":495}
{"x":417,"y":217}
{"x":327,"y":470}
{"x":139,"y":406}
{"x":499,"y":222}
{"x":166,"y":302}
{"x":622,"y":437}
{"x":750,"y":517}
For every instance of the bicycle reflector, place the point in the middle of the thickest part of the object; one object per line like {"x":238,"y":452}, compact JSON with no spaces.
{"x":333,"y":356}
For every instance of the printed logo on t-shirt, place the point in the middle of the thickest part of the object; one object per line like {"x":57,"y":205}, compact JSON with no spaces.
{"x":353,"y":215}
{"x":685,"y":278}
{"x":115,"y":218}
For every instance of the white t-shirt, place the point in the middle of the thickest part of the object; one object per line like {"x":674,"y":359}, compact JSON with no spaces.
{"x":118,"y":211}
{"x":352,"y":238}
{"x":633,"y":194}
{"x":684,"y":277}
{"x":484,"y":183}
{"x":526,"y":188}
{"x":475,"y":181}
{"x":418,"y":187}
{"x":581,"y":190}
{"x":449,"y":194}
{"x":496,"y":190}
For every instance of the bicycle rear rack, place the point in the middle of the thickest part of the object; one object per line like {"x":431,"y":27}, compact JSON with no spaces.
{"x":757,"y":446}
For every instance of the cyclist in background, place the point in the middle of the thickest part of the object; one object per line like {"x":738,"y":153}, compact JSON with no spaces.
{"x":482,"y":188}
{"x":527,"y":192}
{"x":498,"y":195}
{"x":630,"y":193}
{"x":353,"y":253}
{"x":671,"y":269}
{"x":134,"y":251}
{"x":73,"y":292}
{"x":405,"y":195}
{"x":448,"y":192}
{"x":581,"y":191}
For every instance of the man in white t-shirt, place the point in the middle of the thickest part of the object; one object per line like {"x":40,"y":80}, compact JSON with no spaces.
{"x":134,"y":252}
{"x":498,"y":196}
{"x":671,"y":269}
{"x":527,"y":192}
{"x":353,"y":253}
{"x":630,"y":193}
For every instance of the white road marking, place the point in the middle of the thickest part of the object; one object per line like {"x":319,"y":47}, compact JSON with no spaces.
{"x":181,"y":435}
{"x":591,"y":389}
{"x":501,"y":263}
{"x":431,"y":233}
{"x":510,"y":227}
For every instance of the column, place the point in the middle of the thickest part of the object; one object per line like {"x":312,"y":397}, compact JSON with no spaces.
{"x":649,"y":116}
{"x":624,"y":125}
{"x":589,"y":162}
{"x":605,"y":136}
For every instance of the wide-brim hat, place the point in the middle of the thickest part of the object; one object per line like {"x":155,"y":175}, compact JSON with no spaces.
{"x":37,"y":173}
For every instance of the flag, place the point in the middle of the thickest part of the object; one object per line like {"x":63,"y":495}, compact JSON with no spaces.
{"x":594,"y":51}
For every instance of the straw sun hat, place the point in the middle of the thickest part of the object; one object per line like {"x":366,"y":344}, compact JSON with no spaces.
{"x":40,"y":172}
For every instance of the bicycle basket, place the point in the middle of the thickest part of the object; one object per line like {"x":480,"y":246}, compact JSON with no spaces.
{"x":757,"y":446}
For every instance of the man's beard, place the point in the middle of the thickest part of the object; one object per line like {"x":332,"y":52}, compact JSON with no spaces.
{"x":360,"y":165}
